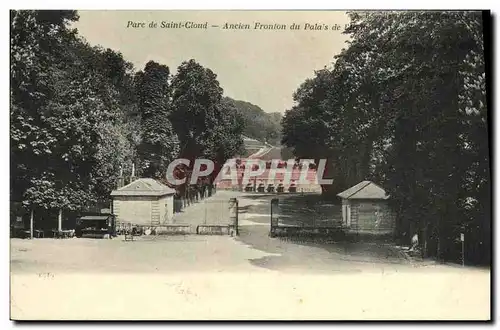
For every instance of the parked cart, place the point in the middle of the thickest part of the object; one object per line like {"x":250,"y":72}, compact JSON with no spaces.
{"x":96,"y":226}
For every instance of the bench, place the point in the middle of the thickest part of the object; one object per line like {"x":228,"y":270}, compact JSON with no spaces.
{"x":283,"y":230}
{"x":213,"y":229}
{"x":129,"y":236}
{"x":63,"y":233}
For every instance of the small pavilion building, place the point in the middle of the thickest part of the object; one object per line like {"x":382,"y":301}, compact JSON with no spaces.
{"x":365,"y":209}
{"x":144,"y":202}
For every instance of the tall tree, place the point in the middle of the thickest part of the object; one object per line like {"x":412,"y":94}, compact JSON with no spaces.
{"x":159,"y":144}
{"x":65,"y":115}
{"x":408,"y":108}
{"x":206,"y":126}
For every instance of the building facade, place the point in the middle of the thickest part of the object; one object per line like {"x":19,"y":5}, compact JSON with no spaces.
{"x":365,"y":209}
{"x":144,"y":202}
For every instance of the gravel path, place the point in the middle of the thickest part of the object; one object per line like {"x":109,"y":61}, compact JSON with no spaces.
{"x":297,"y":256}
{"x":213,"y":210}
{"x":250,"y":277}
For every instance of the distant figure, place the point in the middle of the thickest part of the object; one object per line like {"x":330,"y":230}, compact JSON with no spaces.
{"x":414,"y":242}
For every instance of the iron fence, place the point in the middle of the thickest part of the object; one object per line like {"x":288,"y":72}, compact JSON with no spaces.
{"x":208,"y":213}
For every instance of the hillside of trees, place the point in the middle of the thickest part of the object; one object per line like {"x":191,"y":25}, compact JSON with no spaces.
{"x":81,"y":115}
{"x":405,"y":105}
{"x":257,"y":124}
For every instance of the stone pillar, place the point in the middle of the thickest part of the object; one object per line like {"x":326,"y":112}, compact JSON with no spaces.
{"x":132,"y":175}
{"x":233,"y":214}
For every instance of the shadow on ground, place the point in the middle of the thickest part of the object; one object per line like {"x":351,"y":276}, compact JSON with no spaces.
{"x":310,"y":252}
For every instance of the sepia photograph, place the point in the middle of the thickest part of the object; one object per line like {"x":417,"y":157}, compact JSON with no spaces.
{"x":250,"y":165}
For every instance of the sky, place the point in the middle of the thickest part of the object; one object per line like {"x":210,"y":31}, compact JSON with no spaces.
{"x":260,"y":66}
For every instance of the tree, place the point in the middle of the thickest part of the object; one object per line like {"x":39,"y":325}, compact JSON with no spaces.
{"x":405,"y":104}
{"x":206,"y":126}
{"x":196,"y":97}
{"x":159,"y":144}
{"x":67,"y":127}
{"x":37,"y":50}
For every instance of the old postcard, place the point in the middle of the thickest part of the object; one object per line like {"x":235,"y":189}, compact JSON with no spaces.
{"x":250,"y":165}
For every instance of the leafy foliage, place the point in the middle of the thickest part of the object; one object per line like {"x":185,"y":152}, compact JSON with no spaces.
{"x":405,"y":105}
{"x":207,"y":125}
{"x":69,"y":135}
{"x":159,"y":145}
{"x":81,"y":116}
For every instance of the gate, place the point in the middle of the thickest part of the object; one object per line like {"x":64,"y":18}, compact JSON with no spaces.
{"x":303,"y":217}
{"x":207,"y":217}
{"x":211,"y":216}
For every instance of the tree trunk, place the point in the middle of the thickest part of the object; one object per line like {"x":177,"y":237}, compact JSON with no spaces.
{"x":31,"y":224}
{"x":424,"y":239}
{"x":59,"y":220}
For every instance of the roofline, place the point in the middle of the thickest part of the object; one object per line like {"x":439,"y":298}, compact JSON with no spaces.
{"x":366,"y":185}
{"x":369,"y":198}
{"x":131,"y":183}
{"x":151,"y":193}
{"x":93,"y":217}
{"x":363,"y":187}
{"x":149,"y":189}
{"x":378,"y":186}
{"x":369,"y":182}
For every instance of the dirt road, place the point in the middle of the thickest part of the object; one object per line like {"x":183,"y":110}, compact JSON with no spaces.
{"x":249,"y":277}
{"x":308,"y":256}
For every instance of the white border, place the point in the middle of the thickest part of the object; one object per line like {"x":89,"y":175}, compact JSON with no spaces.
{"x":255,"y":4}
{"x":186,"y":4}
